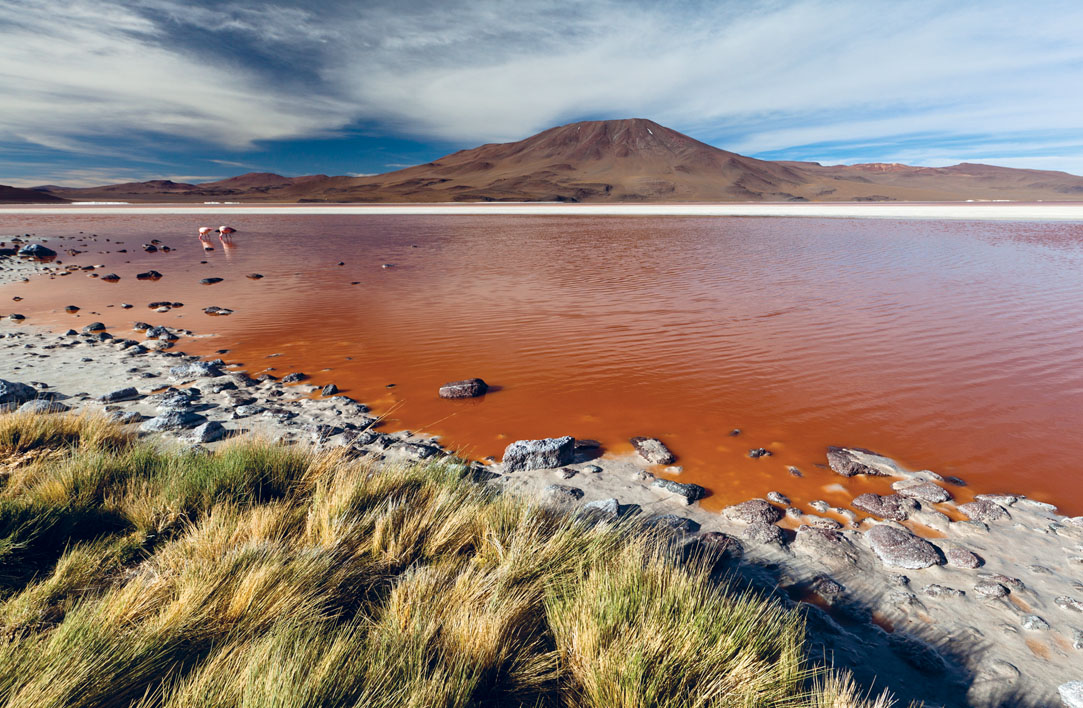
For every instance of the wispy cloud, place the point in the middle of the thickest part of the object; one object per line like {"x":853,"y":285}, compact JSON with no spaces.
{"x":779,"y":77}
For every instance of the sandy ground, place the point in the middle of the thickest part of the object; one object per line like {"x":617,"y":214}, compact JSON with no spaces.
{"x":1008,"y":631}
{"x":967,"y":211}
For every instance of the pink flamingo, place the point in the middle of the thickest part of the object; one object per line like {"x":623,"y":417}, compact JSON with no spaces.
{"x":226,"y":233}
{"x":204,"y":233}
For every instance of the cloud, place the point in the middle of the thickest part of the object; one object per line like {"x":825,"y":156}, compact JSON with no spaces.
{"x":779,"y":75}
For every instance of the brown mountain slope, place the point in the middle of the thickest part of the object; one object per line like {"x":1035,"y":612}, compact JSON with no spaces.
{"x":633,"y":160}
{"x":18,"y":195}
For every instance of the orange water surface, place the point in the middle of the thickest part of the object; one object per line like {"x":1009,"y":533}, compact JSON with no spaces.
{"x":953,"y":346}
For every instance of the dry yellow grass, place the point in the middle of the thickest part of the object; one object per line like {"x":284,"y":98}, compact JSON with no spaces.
{"x":264,"y":576}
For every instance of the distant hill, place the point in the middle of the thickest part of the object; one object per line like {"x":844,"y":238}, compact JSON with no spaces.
{"x":18,"y":195}
{"x":632,"y":160}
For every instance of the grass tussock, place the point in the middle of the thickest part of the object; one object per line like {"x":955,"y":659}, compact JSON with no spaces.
{"x":265,"y":576}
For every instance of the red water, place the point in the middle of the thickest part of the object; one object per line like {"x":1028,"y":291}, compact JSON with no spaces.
{"x":952,"y":346}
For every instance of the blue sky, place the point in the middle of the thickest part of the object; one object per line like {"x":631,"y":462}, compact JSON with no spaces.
{"x":101,"y":91}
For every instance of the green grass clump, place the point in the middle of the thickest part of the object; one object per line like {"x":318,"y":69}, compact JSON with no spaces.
{"x":263,"y":576}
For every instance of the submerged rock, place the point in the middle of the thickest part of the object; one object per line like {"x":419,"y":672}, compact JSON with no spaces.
{"x":543,"y":454}
{"x":653,"y":450}
{"x":898,"y":548}
{"x":467,"y":388}
{"x":843,"y":461}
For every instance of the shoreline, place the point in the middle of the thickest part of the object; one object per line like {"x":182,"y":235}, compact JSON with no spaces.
{"x":993,"y":607}
{"x":967,"y":211}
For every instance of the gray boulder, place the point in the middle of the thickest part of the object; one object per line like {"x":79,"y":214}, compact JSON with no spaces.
{"x":544,"y":454}
{"x":605,"y":507}
{"x":40,"y":405}
{"x":208,"y":432}
{"x":172,"y":420}
{"x":195,"y":370}
{"x":467,"y":388}
{"x":982,"y":510}
{"x":753,"y":511}
{"x":762,"y":533}
{"x":898,"y":548}
{"x":829,"y":546}
{"x":653,"y":451}
{"x":562,"y":493}
{"x":687,"y":492}
{"x":923,"y":490}
{"x":15,"y":392}
{"x":891,"y":506}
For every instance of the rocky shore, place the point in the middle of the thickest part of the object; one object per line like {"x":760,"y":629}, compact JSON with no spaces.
{"x":955,"y":604}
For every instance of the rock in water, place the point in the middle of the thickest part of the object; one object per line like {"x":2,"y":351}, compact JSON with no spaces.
{"x":898,"y":548}
{"x":36,"y":250}
{"x":653,"y":451}
{"x":923,"y":490}
{"x":94,"y":327}
{"x":329,"y":390}
{"x":14,"y":392}
{"x":688,"y":492}
{"x":524,"y":455}
{"x":295,"y":377}
{"x":843,"y":462}
{"x":891,"y":506}
{"x":467,"y":388}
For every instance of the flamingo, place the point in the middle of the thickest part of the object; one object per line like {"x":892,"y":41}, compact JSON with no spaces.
{"x":226,"y":233}
{"x":203,"y":233}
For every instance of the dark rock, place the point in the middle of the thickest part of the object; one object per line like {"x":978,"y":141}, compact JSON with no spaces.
{"x":140,"y":326}
{"x":149,"y":275}
{"x":758,"y":452}
{"x":988,"y":588}
{"x":762,"y":533}
{"x":13,"y":392}
{"x":688,"y":492}
{"x":753,"y":511}
{"x":71,"y":309}
{"x":254,"y":276}
{"x":94,"y":327}
{"x":126,"y":417}
{"x":548,"y":453}
{"x":210,"y":281}
{"x":217,"y":311}
{"x":295,"y":377}
{"x":467,"y":388}
{"x":329,"y":390}
{"x":173,"y":420}
{"x":843,"y":462}
{"x":36,"y":250}
{"x":122,"y":394}
{"x":892,"y":506}
{"x":111,"y":278}
{"x":984,"y":511}
{"x":415,"y":451}
{"x":652,"y":450}
{"x":722,"y":543}
{"x":917,"y":653}
{"x":150,"y":248}
{"x":16,"y":316}
{"x":778,"y":498}
{"x":898,"y":548}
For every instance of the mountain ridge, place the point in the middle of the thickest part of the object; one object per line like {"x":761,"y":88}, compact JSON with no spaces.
{"x":627,"y":160}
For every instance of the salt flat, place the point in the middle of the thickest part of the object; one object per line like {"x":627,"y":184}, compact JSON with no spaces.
{"x":954,"y":211}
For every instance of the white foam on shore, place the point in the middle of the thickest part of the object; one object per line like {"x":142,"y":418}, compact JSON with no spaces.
{"x":954,"y":211}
